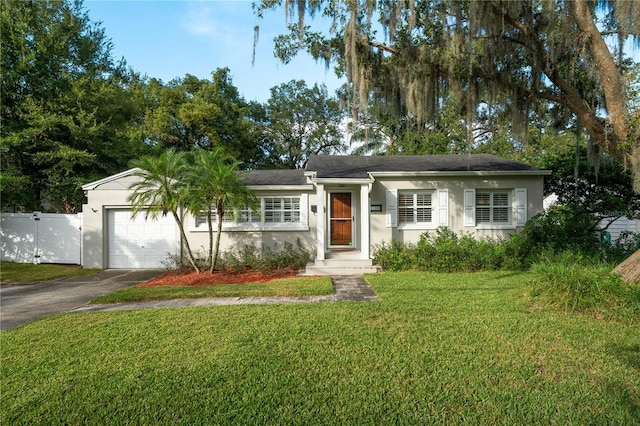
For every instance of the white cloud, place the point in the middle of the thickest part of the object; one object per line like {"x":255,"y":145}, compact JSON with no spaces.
{"x":212,"y":21}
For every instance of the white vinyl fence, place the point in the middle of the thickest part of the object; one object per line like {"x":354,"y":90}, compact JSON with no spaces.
{"x":41,"y":237}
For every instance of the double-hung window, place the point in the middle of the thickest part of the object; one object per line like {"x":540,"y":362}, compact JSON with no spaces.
{"x":493,"y":207}
{"x":272,"y":212}
{"x":246,"y":215}
{"x":415,"y":207}
{"x":243,"y":215}
{"x":281,"y":209}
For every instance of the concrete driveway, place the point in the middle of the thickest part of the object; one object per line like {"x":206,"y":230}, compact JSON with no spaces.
{"x":26,"y":302}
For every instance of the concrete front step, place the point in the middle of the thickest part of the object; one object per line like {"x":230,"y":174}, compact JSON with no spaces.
{"x":335,"y":270}
{"x":343,"y":262}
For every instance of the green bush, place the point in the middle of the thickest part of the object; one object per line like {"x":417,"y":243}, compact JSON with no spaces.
{"x":566,"y":228}
{"x":269,"y":259}
{"x":175,"y":262}
{"x":627,"y":244}
{"x":562,"y":228}
{"x":395,"y":256}
{"x":444,"y":251}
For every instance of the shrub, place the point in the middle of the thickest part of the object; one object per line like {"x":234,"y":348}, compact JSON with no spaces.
{"x":565,"y":228}
{"x":250,"y":257}
{"x":269,"y":259}
{"x":561,"y":228}
{"x":175,"y":262}
{"x":395,"y":256}
{"x":627,"y":244}
{"x":443,"y":251}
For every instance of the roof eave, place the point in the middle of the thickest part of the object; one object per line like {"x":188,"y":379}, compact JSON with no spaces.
{"x":307,"y":187}
{"x":93,"y":185}
{"x":463,"y":173}
{"x":339,"y":180}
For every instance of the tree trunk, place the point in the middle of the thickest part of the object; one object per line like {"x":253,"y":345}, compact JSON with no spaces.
{"x":210,"y":226}
{"x":629,"y":270}
{"x":220,"y":212}
{"x":611,"y":79}
{"x":183,"y":237}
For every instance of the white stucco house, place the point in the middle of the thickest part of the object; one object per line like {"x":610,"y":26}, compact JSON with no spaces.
{"x":338,"y":207}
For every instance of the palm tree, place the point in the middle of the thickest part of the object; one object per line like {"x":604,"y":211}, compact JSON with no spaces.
{"x":159,"y":190}
{"x":214,"y":181}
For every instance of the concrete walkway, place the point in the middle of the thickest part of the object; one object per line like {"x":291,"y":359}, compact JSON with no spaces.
{"x":346,"y":288}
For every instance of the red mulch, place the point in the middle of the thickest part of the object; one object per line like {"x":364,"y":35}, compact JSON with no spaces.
{"x":205,"y":278}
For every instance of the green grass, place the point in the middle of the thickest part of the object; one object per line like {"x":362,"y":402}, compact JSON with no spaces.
{"x":28,"y":272}
{"x":307,"y":286}
{"x":590,"y":289}
{"x":436,"y":348}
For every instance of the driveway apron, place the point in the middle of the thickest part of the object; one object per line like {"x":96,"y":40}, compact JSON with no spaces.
{"x":25,"y":302}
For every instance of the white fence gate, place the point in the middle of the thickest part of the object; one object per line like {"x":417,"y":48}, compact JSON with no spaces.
{"x":41,"y":237}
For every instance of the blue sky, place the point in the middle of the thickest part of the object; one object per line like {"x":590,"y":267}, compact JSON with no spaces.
{"x":168,"y":39}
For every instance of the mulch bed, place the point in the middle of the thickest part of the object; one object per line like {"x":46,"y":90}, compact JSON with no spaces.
{"x":205,"y":278}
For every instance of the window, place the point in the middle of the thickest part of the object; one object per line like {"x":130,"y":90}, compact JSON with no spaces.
{"x":415,"y":207}
{"x":201,"y":219}
{"x":280,"y":212}
{"x":243,"y":215}
{"x":281,"y":209}
{"x":246,"y":215}
{"x":493,"y":207}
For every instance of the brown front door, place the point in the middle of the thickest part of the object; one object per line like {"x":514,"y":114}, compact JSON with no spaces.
{"x":341,"y":220}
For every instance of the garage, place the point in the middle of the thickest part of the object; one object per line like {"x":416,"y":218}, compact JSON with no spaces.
{"x":136,"y":243}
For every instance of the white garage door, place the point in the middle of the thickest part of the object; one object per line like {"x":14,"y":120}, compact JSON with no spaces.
{"x":138,"y":243}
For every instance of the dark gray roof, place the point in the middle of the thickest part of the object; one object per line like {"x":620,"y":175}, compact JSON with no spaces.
{"x":274,"y":177}
{"x":352,"y":166}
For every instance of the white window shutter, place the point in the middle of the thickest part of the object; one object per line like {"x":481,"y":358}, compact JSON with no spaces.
{"x":304,"y":209}
{"x":469,"y":207}
{"x":443,"y":207}
{"x":521,"y":206}
{"x":392,"y":208}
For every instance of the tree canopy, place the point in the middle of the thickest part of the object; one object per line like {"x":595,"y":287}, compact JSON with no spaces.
{"x":301,"y":121}
{"x":514,"y":59}
{"x":190,"y":112}
{"x":67,"y":108}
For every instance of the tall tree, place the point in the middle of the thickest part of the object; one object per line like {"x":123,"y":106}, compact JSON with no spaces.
{"x":214,"y":183}
{"x":191,"y":113}
{"x":160,"y":190}
{"x":301,"y":121}
{"x":66,"y":108}
{"x":515,"y":53}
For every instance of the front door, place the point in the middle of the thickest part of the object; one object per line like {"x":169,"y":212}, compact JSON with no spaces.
{"x":341,"y":219}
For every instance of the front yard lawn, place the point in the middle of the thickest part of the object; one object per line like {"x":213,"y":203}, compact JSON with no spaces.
{"x":436,"y":348}
{"x":28,"y":272}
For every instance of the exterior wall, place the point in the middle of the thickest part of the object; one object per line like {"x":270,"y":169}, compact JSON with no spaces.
{"x":94,"y":219}
{"x":456,"y":186}
{"x":114,"y":194}
{"x":234,"y":237}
